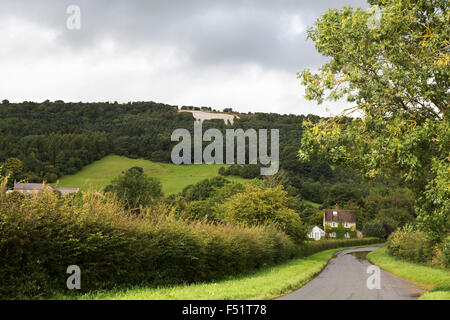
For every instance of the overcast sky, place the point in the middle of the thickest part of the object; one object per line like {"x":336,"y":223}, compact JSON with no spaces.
{"x":219,"y":53}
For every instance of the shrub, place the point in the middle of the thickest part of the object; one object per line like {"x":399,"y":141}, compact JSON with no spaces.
{"x":413,"y":246}
{"x":41,"y":235}
{"x":259,"y":206}
{"x":441,"y":255}
{"x":395,"y":241}
{"x":374,"y":229}
{"x":445,"y":253}
{"x":206,"y":209}
{"x":199,"y":210}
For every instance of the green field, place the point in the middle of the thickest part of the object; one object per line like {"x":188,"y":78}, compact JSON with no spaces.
{"x":173,"y":177}
{"x":312,"y":204}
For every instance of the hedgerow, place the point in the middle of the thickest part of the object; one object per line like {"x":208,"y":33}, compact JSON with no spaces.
{"x":414,"y":246}
{"x":41,"y":235}
{"x":312,"y":247}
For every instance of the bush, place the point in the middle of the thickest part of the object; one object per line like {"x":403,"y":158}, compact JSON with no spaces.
{"x":441,"y":255}
{"x":260,"y":206}
{"x":374,"y":229}
{"x":41,"y":235}
{"x":413,"y":246}
{"x":444,"y":257}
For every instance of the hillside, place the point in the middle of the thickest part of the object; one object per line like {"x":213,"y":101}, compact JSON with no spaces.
{"x":54,"y":139}
{"x":47,"y":141}
{"x":173,"y":178}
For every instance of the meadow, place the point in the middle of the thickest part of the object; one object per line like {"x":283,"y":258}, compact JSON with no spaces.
{"x":173,"y":177}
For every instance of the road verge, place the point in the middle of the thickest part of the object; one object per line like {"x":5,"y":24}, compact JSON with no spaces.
{"x":435,"y":281}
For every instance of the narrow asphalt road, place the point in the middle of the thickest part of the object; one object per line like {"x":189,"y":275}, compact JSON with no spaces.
{"x":345,"y":278}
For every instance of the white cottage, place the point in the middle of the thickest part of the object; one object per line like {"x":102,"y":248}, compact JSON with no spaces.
{"x":316,"y":233}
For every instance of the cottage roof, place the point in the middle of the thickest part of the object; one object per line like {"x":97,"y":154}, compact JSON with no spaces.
{"x":341,"y":216}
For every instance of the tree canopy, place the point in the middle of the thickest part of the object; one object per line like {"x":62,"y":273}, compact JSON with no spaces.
{"x":135,"y":189}
{"x":395,"y":76}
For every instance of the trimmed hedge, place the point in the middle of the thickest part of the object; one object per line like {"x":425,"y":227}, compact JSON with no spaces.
{"x":312,"y":247}
{"x":41,"y":235}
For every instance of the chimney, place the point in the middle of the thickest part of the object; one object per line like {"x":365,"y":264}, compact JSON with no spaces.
{"x":337,"y":206}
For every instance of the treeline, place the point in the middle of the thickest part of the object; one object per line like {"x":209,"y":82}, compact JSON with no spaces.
{"x":52,"y":139}
{"x":44,"y":141}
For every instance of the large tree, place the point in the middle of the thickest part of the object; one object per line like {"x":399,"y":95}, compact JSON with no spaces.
{"x":135,"y":188}
{"x":391,"y":63}
{"x":11,"y":168}
{"x":258,"y":205}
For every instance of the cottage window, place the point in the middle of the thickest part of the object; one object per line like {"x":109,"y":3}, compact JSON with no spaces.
{"x":347,"y":235}
{"x":333,"y":235}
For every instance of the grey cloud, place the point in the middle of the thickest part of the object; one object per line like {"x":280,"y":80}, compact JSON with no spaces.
{"x":210,"y":32}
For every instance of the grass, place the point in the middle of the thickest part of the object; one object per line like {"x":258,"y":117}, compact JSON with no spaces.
{"x":312,"y":204}
{"x":427,"y":278}
{"x":173,"y":177}
{"x":266,"y":283}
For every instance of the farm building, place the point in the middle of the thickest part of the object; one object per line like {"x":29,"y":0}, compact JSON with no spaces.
{"x":36,"y":187}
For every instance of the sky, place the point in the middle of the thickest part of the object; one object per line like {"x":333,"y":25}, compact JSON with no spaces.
{"x":243,"y":54}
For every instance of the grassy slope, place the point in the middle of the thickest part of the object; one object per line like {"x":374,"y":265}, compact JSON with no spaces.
{"x":313,"y":204}
{"x":266,"y":283}
{"x":173,"y":177}
{"x":425,"y":277}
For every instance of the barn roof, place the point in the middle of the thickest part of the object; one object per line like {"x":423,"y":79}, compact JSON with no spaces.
{"x":30,"y":186}
{"x":40,"y":186}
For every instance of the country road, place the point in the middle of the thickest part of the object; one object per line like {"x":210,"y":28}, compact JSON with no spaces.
{"x":345,"y":277}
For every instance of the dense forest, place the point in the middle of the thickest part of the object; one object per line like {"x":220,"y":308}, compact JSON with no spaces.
{"x":44,"y":141}
{"x":52,"y":139}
